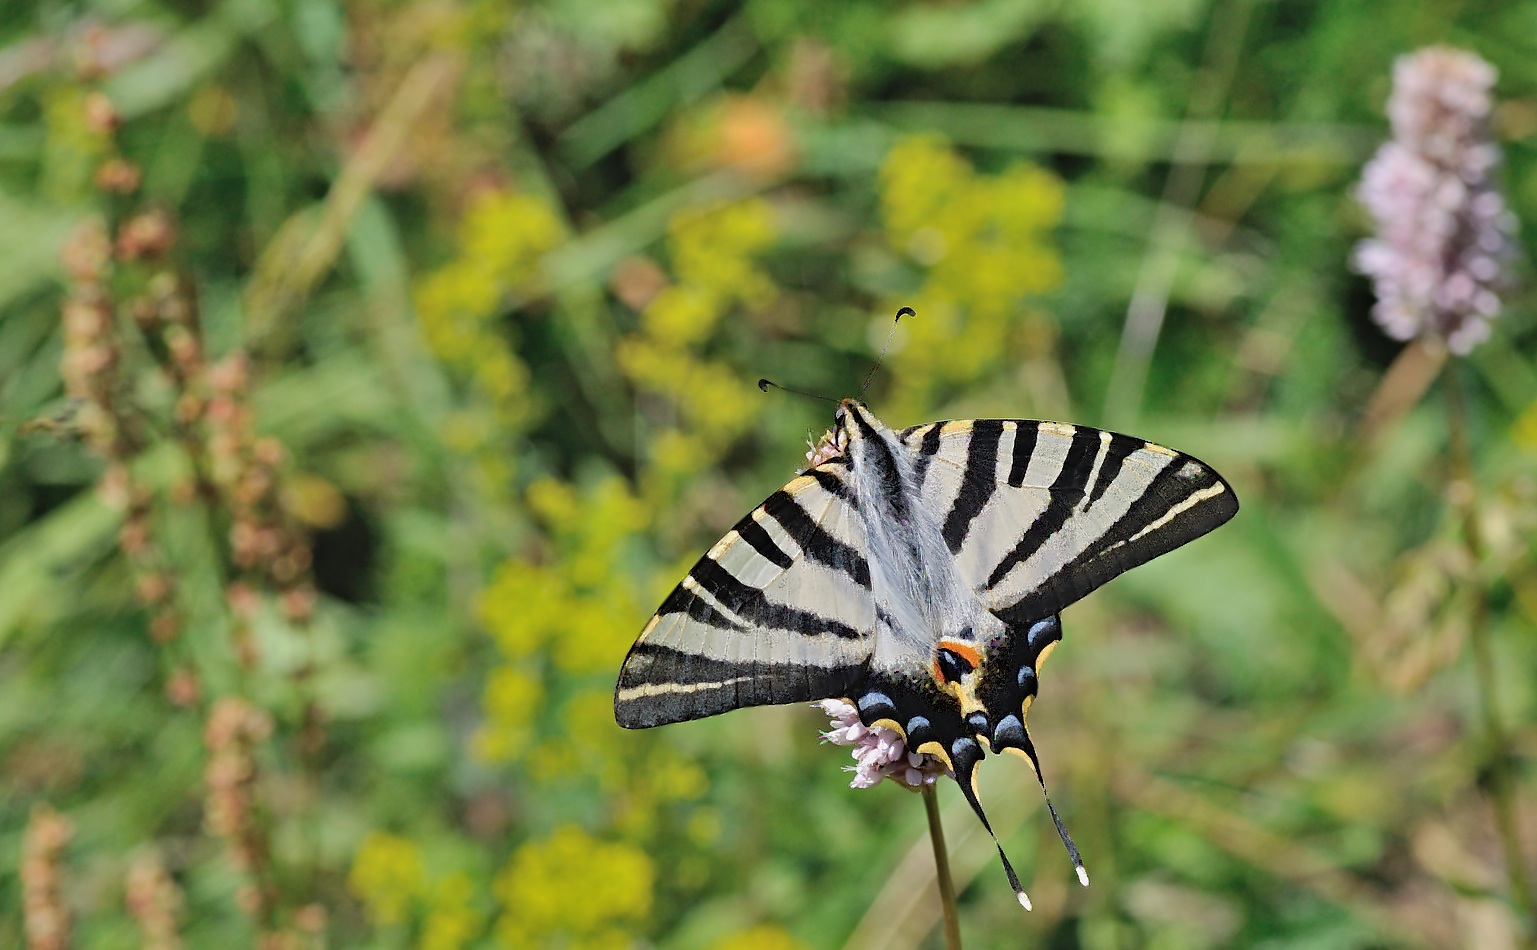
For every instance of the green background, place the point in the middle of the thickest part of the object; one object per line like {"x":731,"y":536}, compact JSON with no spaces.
{"x":506,"y":275}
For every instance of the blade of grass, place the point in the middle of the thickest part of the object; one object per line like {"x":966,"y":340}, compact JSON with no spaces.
{"x":303,"y":252}
{"x":1150,"y":299}
{"x":648,"y":102}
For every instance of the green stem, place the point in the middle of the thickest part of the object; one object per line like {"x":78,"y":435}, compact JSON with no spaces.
{"x":1502,"y":790}
{"x":942,"y":869}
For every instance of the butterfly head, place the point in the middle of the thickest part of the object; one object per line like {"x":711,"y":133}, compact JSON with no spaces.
{"x":852,"y":422}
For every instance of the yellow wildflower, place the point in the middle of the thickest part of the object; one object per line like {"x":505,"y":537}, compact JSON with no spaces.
{"x":761,"y":937}
{"x":452,"y":920}
{"x":508,"y":234}
{"x":524,"y":607}
{"x":598,"y":631}
{"x":502,"y":241}
{"x":713,"y":248}
{"x":386,"y":875}
{"x":511,"y":701}
{"x":573,"y":890}
{"x":681,"y":315}
{"x":983,"y":243}
{"x":1524,"y":431}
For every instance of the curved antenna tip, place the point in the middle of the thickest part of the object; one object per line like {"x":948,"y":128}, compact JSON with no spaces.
{"x":1024,"y":900}
{"x":906,"y":312}
{"x":763,"y":385}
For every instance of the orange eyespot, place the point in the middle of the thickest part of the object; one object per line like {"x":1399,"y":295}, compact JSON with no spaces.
{"x":954,"y":660}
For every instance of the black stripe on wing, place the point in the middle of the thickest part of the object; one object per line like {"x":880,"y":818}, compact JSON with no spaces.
{"x":1025,"y":435}
{"x":927,"y":448}
{"x":683,"y":601}
{"x":750,"y":604}
{"x":660,"y":684}
{"x":750,"y":531}
{"x":1184,"y":501}
{"x":1120,"y":447}
{"x":815,"y":540}
{"x":979,"y":480}
{"x":1066,"y":492}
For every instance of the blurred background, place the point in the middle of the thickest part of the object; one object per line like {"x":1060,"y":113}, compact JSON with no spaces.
{"x":370,"y":370}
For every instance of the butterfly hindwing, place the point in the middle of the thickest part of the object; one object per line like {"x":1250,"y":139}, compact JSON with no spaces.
{"x":1038,"y":514}
{"x":778,"y":611}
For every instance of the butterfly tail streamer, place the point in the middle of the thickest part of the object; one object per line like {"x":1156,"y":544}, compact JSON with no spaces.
{"x":1067,"y":839}
{"x":1020,"y":741}
{"x":964,"y":758}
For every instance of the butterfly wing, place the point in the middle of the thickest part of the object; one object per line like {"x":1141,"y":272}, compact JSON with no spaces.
{"x":778,"y":611}
{"x":1038,"y":514}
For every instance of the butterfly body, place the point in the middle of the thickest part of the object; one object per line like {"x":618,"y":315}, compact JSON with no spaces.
{"x":918,"y":574}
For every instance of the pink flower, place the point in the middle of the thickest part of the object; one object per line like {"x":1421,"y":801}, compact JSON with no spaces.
{"x":827,"y":447}
{"x":879,"y":752}
{"x":1443,"y":234}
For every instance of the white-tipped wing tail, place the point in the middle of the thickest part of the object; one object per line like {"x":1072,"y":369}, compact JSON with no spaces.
{"x":778,"y":611}
{"x":1038,"y":514}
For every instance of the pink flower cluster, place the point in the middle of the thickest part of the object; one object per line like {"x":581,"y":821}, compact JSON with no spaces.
{"x":879,"y":752}
{"x":1443,"y":234}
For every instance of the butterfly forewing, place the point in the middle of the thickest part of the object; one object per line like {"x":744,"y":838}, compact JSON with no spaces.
{"x":1038,"y":514}
{"x":778,"y":611}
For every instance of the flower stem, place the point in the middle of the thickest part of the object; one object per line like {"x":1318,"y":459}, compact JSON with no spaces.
{"x":1501,"y":781}
{"x":942,"y":869}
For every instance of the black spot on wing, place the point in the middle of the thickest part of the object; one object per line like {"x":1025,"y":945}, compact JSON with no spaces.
{"x":978,"y":481}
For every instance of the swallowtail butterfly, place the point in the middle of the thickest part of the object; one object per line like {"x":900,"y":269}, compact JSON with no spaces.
{"x":918,"y":574}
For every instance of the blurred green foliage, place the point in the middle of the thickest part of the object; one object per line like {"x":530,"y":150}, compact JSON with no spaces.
{"x":410,"y":361}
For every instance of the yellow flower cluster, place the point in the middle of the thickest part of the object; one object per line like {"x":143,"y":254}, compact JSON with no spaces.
{"x":78,"y":137}
{"x":762,"y":937}
{"x":1524,"y":431}
{"x":452,"y":921}
{"x":570,"y":611}
{"x":573,"y":892}
{"x":501,"y":242}
{"x":386,"y":876}
{"x":713,"y":251}
{"x":984,"y":245}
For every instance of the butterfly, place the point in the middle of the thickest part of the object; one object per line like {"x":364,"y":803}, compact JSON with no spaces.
{"x":918,"y":574}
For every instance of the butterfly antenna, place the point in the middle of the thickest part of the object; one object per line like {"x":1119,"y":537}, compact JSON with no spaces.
{"x":764,"y":384}
{"x":904,"y":312}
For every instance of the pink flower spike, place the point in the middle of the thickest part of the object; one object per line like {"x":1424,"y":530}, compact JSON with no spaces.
{"x":878,"y":752}
{"x":1442,"y":232}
